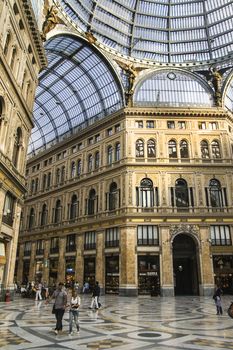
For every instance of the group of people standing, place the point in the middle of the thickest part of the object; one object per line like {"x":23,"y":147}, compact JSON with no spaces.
{"x":62,"y":302}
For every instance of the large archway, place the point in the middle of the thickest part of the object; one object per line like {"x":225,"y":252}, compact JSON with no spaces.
{"x":185,"y":265}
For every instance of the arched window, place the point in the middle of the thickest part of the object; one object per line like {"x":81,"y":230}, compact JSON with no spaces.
{"x":110,"y":154}
{"x":172,"y":149}
{"x":79,"y":167}
{"x":151,"y":149}
{"x":145,"y":194}
{"x":31,"y":222}
{"x":117,"y":151}
{"x":205,"y":153}
{"x":63,"y":174}
{"x":7,"y":43}
{"x":97,"y":160}
{"x":73,"y":170}
{"x":90,"y":162}
{"x":57,"y":212}
{"x":113,"y":196}
{"x":215,"y":149}
{"x":16,"y":148}
{"x":91,"y":202}
{"x":216,"y":199}
{"x":184,"y":151}
{"x":181,"y":193}
{"x":139,"y":148}
{"x":58,"y":176}
{"x":73,"y":207}
{"x":44,"y":215}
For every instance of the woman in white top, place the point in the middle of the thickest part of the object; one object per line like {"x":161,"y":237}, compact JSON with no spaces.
{"x":74,"y":311}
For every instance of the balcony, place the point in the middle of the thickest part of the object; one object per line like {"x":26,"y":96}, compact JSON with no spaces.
{"x":54,"y":250}
{"x":71,"y":248}
{"x":40,"y":252}
{"x":89,"y":246}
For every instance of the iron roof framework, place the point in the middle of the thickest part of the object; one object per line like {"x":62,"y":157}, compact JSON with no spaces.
{"x":78,"y":87}
{"x":165,"y":31}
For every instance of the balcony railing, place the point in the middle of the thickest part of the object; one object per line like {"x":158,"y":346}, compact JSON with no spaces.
{"x":39,"y":251}
{"x":89,"y":246}
{"x":71,"y":248}
{"x":111,"y":244}
{"x":54,"y":250}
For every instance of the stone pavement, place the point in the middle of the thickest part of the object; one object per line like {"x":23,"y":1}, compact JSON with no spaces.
{"x":122,"y":324}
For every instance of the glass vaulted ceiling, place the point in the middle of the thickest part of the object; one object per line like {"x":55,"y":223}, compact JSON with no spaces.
{"x":77,"y":88}
{"x":167,"y":31}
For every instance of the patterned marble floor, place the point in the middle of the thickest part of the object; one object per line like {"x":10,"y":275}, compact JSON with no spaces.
{"x":120,"y":324}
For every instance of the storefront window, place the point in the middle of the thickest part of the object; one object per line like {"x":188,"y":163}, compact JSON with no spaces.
{"x":223,"y":272}
{"x":89,"y":272}
{"x":148,"y":275}
{"x":70,"y":271}
{"x":112,"y":274}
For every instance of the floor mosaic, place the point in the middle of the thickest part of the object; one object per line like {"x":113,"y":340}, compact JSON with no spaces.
{"x":121,"y":324}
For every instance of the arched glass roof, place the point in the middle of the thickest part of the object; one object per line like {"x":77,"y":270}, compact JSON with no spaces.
{"x":229,"y":96}
{"x":167,"y":31}
{"x":77,"y":88}
{"x":173,"y":88}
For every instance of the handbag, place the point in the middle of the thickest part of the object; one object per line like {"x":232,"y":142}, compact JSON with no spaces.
{"x":53,"y":309}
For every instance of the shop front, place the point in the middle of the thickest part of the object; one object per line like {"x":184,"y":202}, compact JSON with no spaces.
{"x":89,"y":271}
{"x":112,"y":274}
{"x":70,"y":271}
{"x":223,"y":272}
{"x":53,"y":271}
{"x":148,"y":275}
{"x":39,"y":270}
{"x":26,"y":268}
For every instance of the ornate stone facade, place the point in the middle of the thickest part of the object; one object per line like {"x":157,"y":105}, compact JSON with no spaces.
{"x":22,"y":57}
{"x":121,"y":237}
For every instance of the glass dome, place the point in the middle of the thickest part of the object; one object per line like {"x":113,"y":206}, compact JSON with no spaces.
{"x":165,"y":31}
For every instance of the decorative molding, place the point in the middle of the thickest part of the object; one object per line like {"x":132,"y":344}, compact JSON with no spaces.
{"x":183,"y":228}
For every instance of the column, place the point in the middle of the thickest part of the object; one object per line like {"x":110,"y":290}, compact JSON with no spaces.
{"x":79,"y":262}
{"x":206,"y":263}
{"x":20,"y":264}
{"x":166,"y":264}
{"x":32,"y":269}
{"x":99,"y":264}
{"x":61,"y":260}
{"x":45,"y":274}
{"x":128,"y":264}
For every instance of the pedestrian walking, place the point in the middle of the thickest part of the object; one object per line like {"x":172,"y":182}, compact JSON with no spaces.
{"x":38,"y":287}
{"x":218,"y":301}
{"x":95,"y":296}
{"x":59,"y":306}
{"x":74,"y":311}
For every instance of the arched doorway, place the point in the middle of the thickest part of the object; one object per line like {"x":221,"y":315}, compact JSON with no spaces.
{"x":185,"y":265}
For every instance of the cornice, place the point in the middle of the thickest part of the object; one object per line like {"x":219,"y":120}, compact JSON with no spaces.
{"x":27,"y":7}
{"x":158,"y":111}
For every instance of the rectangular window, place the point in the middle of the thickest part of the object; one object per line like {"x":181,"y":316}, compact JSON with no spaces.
{"x":8,"y":209}
{"x":117,"y":128}
{"x":202,"y":125}
{"x":181,"y":125}
{"x":112,"y":237}
{"x":73,"y":149}
{"x":27,"y":248}
{"x":54,"y":247}
{"x":170,"y":124}
{"x":109,"y":132}
{"x":150,"y":124}
{"x":213,"y":126}
{"x":46,"y":162}
{"x":40,"y":247}
{"x":58,"y":156}
{"x":97,"y":138}
{"x":70,"y":243}
{"x":148,"y":235}
{"x":38,"y":167}
{"x":64,"y":154}
{"x":50,"y":160}
{"x":90,"y":141}
{"x":80,"y":146}
{"x":90,"y":240}
{"x":33,"y":168}
{"x":220,"y":235}
{"x":139,"y":124}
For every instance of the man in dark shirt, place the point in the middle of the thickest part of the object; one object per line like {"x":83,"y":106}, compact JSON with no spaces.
{"x":95,"y":296}
{"x":59,"y":306}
